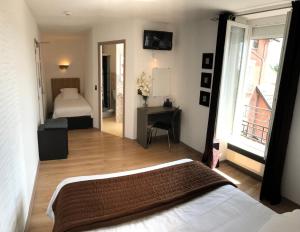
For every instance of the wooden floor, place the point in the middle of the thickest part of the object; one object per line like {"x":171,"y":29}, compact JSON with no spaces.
{"x":92,"y":152}
{"x":111,"y":126}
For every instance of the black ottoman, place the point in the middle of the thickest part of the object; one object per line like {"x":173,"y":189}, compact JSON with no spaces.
{"x":53,"y":139}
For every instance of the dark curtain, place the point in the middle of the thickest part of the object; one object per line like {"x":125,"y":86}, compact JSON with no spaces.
{"x":271,"y":185}
{"x":208,"y":153}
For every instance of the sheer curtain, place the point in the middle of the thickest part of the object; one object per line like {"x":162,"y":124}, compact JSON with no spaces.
{"x":231,"y":76}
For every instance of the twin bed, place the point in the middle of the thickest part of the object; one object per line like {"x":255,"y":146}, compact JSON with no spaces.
{"x":216,"y":207}
{"x":70,"y":104}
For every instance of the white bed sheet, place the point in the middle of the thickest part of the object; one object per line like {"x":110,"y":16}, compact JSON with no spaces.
{"x":71,"y":107}
{"x":223,"y":209}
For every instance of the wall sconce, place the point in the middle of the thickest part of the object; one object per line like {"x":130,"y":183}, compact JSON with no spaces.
{"x":63,"y":67}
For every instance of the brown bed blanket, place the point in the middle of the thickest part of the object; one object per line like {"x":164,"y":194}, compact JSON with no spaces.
{"x":93,"y":204}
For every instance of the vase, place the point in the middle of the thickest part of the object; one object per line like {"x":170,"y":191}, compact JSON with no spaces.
{"x":145,"y":98}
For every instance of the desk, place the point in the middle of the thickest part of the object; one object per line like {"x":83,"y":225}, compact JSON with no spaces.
{"x":149,"y":115}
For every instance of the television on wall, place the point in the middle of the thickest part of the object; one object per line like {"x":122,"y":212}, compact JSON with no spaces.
{"x":157,"y":40}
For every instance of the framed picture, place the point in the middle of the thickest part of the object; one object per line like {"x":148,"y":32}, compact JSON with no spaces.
{"x":204,"y":98}
{"x":207,"y":60}
{"x":206,"y":80}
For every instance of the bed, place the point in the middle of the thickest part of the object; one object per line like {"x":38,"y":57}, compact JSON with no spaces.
{"x":76,"y":109}
{"x":223,"y":209}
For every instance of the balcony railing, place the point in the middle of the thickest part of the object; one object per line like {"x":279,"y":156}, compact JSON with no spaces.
{"x":255,"y":123}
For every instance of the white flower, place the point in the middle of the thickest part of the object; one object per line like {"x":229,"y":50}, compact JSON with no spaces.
{"x":144,"y":84}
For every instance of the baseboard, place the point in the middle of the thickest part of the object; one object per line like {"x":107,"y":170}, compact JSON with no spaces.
{"x":192,"y":149}
{"x":32,"y":198}
{"x":242,"y":169}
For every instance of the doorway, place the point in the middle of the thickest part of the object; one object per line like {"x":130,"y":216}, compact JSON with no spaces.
{"x":112,"y":87}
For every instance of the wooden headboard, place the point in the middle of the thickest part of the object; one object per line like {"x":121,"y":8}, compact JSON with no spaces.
{"x":59,"y":83}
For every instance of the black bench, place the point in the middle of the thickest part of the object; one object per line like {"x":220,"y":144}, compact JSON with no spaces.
{"x":53,"y":139}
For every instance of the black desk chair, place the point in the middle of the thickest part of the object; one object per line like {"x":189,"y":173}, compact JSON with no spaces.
{"x":164,"y":125}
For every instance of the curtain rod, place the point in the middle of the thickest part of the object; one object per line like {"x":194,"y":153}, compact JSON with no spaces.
{"x":262,"y":11}
{"x":257,"y":11}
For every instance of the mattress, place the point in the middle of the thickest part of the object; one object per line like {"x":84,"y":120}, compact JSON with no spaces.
{"x":71,"y":107}
{"x":223,"y":209}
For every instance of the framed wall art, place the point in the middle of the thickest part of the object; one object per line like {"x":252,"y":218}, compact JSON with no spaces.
{"x":204,"y":98}
{"x":206,"y":80}
{"x":207,"y":60}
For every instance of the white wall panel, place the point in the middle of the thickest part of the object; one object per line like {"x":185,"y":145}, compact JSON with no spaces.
{"x":19,"y":114}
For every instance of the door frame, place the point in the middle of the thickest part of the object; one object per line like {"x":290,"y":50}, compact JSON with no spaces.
{"x":244,"y":62}
{"x":39,"y":76}
{"x":99,"y":52}
{"x":243,"y":65}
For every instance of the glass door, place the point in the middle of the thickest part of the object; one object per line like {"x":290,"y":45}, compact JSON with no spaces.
{"x":257,"y":92}
{"x":279,"y":69}
{"x":235,"y":54}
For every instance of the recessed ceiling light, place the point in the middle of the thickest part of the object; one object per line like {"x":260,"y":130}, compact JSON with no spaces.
{"x":67,"y":13}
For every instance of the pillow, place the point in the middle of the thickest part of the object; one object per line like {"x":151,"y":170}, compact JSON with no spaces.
{"x":69,"y":93}
{"x":289,"y":222}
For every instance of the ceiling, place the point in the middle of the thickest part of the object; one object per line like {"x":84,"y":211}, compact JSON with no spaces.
{"x":85,"y":13}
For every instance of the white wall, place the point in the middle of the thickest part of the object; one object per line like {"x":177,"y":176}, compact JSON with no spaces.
{"x":149,"y":59}
{"x":291,"y":176}
{"x":137,"y":60}
{"x":19,"y":113}
{"x":101,"y":33}
{"x":63,"y":47}
{"x":191,"y":39}
{"x":194,"y":38}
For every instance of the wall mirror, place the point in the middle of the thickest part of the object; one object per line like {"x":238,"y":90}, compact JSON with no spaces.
{"x":161,"y":82}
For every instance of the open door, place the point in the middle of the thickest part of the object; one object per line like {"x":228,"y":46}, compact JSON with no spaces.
{"x":285,"y":36}
{"x":248,"y":93}
{"x":234,"y":63}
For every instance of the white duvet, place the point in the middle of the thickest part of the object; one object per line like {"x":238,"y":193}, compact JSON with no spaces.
{"x":223,"y":209}
{"x":289,"y":222}
{"x":71,"y":107}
